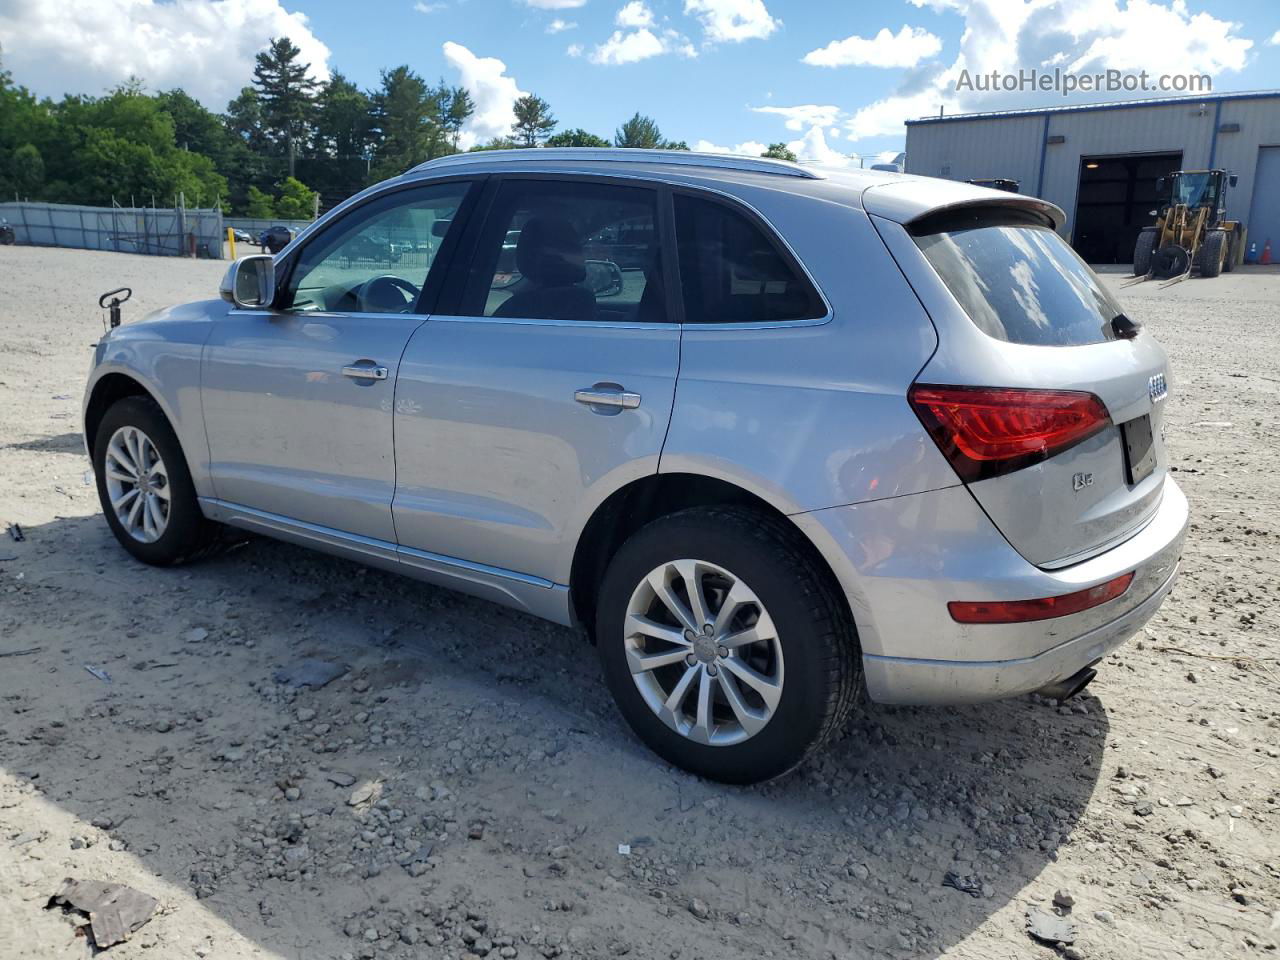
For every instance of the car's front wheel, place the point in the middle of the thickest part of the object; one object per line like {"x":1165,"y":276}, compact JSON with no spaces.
{"x":725,"y":645}
{"x":145,"y":488}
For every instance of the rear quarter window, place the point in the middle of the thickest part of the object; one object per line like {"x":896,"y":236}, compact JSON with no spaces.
{"x":1018,"y":280}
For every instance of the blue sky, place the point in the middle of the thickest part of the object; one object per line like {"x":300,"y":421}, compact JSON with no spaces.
{"x":834,"y":79}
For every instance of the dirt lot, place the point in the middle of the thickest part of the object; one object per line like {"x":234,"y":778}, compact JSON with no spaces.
{"x":465,"y":787}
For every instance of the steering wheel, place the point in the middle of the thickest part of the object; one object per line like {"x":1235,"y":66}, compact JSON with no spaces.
{"x":386,"y":294}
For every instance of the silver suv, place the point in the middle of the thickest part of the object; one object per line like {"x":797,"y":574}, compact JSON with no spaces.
{"x":772,"y":434}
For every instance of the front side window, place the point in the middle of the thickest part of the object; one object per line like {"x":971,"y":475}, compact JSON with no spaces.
{"x":1019,"y":281}
{"x":559,"y":250}
{"x":731,"y":271}
{"x":376,"y":259}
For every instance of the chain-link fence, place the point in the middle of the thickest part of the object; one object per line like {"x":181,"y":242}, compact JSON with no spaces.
{"x":157,"y":231}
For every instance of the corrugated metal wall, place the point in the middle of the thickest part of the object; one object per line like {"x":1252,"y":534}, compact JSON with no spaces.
{"x":1010,"y":146}
{"x":157,"y":231}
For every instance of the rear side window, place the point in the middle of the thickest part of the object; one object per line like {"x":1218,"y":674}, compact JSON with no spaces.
{"x":1019,"y":281}
{"x":732,"y":271}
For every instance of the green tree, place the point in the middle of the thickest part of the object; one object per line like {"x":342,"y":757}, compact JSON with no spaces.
{"x":460,"y":109}
{"x":408,"y":115}
{"x":779,"y":151}
{"x":260,"y":205}
{"x":639,"y":133}
{"x":26,"y":170}
{"x":534,"y":120}
{"x":296,"y":201}
{"x":576,"y":137}
{"x":497,"y":143}
{"x":287,"y":92}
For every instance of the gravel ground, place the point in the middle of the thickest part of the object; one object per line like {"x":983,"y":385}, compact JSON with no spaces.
{"x":465,"y":787}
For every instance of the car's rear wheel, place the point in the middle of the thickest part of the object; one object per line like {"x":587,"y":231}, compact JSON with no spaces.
{"x":725,"y":644}
{"x":145,"y":488}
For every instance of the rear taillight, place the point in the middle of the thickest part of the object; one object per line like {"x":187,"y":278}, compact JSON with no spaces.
{"x":1044,"y":608}
{"x":987,"y":431}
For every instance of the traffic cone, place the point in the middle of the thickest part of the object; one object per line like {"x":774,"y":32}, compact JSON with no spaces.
{"x":1252,"y":255}
{"x":1266,"y":252}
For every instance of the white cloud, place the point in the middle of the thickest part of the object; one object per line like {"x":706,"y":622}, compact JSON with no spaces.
{"x":635,"y":14}
{"x":574,"y":50}
{"x":749,"y":148}
{"x":813,"y":148}
{"x":1275,"y":39}
{"x":804,"y":115}
{"x":205,"y":46}
{"x":560,"y":26}
{"x":1086,"y":36}
{"x":428,"y":7}
{"x":732,"y":21}
{"x":906,"y":48}
{"x":556,"y":4}
{"x":640,"y":40}
{"x":492,"y":90}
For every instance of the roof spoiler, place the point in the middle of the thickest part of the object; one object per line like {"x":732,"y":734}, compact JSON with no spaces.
{"x":910,"y":200}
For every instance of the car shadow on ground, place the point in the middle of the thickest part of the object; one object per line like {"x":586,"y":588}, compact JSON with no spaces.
{"x":899,"y":839}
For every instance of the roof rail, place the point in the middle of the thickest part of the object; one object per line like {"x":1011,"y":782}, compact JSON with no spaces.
{"x":683,"y":158}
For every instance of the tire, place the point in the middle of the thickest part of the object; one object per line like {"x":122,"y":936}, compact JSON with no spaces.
{"x":1142,"y":251}
{"x":812,"y":659}
{"x":185,"y":534}
{"x":1229,"y":261}
{"x":1212,"y":253}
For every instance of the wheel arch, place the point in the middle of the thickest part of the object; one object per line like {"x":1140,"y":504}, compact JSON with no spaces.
{"x":110,"y":388}
{"x":651,"y":497}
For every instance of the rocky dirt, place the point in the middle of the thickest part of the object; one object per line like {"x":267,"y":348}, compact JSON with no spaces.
{"x":466,"y":788}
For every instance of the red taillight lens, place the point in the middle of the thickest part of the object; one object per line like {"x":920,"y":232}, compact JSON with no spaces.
{"x":1045,"y":608}
{"x":987,"y":431}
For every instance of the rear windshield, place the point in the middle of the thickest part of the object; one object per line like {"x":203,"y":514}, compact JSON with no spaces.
{"x":1019,"y":281}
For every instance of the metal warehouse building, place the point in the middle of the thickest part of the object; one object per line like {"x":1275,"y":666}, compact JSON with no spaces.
{"x":1100,"y":162}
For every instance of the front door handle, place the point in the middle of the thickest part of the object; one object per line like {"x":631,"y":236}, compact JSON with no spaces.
{"x":364,"y":371}
{"x":608,"y":395}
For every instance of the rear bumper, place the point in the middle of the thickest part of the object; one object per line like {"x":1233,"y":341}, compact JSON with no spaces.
{"x":901,"y":560}
{"x":905,"y":680}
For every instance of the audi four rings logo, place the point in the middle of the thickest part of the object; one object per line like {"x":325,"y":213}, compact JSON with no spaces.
{"x":1157,"y":388}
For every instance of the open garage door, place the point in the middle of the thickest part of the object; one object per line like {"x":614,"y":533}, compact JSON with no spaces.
{"x":1114,"y":202}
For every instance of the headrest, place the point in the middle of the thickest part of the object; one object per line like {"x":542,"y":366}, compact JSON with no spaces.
{"x":550,"y":254}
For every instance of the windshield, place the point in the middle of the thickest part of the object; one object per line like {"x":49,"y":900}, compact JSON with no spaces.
{"x":1194,"y":189}
{"x":1021,"y":283}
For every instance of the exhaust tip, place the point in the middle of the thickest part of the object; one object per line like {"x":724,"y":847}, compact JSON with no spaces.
{"x":1065,"y":689}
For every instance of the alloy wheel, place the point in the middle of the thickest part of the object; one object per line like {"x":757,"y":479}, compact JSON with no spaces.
{"x":703,"y":652}
{"x":137,"y":484}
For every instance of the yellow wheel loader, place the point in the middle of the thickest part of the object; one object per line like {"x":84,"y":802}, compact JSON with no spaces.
{"x":1191,"y":229}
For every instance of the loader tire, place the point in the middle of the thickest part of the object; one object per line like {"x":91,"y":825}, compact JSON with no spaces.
{"x":1213,"y":253}
{"x":1142,"y":251}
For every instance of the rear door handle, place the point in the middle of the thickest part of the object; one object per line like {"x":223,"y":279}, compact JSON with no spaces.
{"x":608,"y":395}
{"x":364,"y":371}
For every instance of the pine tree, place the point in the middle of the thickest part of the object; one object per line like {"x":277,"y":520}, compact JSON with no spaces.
{"x":640,"y":133}
{"x":287,"y":93}
{"x":534,"y":121}
{"x":459,"y":111}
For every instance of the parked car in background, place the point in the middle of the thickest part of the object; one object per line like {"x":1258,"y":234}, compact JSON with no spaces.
{"x":275,"y":239}
{"x":242,"y":236}
{"x":806,"y":433}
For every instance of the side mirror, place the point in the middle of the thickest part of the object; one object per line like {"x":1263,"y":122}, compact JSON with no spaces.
{"x":440,"y":227}
{"x":250,"y":282}
{"x":604,"y":278}
{"x":1233,"y":179}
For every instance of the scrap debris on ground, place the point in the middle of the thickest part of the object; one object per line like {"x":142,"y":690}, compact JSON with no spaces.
{"x":494,"y":785}
{"x":114,"y":912}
